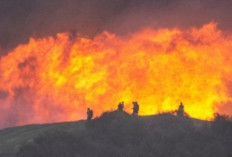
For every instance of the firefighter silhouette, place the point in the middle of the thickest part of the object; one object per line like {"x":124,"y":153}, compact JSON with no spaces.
{"x":121,"y":106}
{"x":135,"y":108}
{"x":89,"y":114}
{"x":180,"y":111}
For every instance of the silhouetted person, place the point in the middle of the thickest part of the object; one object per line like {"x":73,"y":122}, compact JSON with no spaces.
{"x":180,"y":111}
{"x":89,"y":114}
{"x":221,"y":118}
{"x":135,"y":108}
{"x":121,"y":106}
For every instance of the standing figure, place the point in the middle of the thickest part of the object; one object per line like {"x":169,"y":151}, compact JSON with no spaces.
{"x":135,"y":108}
{"x":180,"y":111}
{"x":121,"y":106}
{"x":89,"y":114}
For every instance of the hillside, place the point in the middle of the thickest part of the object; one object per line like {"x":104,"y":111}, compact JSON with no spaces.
{"x":117,"y":134}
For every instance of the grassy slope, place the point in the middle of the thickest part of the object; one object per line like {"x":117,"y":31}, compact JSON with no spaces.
{"x":13,"y":139}
{"x":118,"y":134}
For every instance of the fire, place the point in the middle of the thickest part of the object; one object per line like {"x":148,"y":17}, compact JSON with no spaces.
{"x":56,"y":79}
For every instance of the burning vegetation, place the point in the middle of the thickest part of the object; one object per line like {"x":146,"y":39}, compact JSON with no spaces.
{"x":57,"y":78}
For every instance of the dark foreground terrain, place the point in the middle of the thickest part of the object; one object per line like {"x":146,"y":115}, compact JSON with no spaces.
{"x":117,"y":134}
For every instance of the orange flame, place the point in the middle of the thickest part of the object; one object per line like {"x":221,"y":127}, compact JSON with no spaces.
{"x":56,"y":79}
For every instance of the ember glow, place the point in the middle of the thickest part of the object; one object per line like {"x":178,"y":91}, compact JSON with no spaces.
{"x":56,"y":79}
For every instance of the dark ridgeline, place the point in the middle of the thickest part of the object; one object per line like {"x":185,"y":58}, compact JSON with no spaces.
{"x":118,"y":134}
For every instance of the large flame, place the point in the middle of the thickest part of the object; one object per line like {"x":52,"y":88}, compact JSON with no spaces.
{"x":56,"y":79}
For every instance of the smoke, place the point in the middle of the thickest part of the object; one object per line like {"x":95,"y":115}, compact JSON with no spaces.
{"x":40,"y":18}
